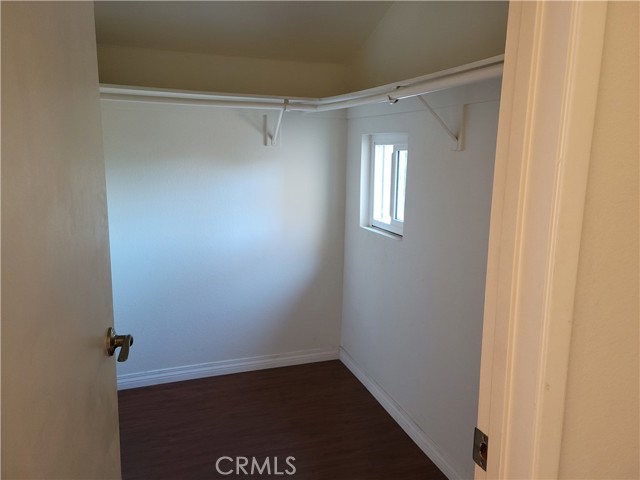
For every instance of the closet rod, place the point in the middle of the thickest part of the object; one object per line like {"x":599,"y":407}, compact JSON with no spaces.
{"x":383,"y":89}
{"x":447,"y":80}
{"x":142,"y":98}
{"x":422,"y":88}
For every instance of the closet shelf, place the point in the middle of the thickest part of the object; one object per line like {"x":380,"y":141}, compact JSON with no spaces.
{"x":454,"y":77}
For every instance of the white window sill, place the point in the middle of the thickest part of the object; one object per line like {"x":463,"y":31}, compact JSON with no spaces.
{"x":380,"y":231}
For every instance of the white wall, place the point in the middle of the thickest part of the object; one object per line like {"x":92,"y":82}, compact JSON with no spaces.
{"x":603,"y":398}
{"x":219,"y":73}
{"x":416,"y":38}
{"x":222,"y":248}
{"x":412,"y":314}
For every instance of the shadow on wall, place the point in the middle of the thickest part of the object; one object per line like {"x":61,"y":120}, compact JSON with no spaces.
{"x":230,"y":248}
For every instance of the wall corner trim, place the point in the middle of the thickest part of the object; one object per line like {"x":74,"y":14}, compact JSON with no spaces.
{"x":224,"y":367}
{"x":402,"y":418}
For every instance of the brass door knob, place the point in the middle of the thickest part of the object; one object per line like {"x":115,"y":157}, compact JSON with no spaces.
{"x":122,"y":341}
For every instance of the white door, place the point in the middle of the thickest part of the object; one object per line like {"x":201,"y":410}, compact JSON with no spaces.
{"x":59,"y":403}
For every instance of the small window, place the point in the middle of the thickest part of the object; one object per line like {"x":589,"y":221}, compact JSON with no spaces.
{"x":389,"y":155}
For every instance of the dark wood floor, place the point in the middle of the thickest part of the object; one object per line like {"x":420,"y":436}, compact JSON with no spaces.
{"x":318,"y":413}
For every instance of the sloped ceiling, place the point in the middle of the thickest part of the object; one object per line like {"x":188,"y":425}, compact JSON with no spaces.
{"x":325,"y":31}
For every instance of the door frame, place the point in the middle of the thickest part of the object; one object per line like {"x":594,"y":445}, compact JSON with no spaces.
{"x":549,"y":94}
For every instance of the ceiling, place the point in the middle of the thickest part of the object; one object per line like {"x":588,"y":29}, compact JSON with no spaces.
{"x":324,"y":31}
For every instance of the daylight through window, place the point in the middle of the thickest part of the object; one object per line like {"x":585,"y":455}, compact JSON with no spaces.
{"x":388,"y":182}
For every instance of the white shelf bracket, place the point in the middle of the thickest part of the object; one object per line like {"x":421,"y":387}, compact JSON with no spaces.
{"x":272,"y":140}
{"x":457,"y":139}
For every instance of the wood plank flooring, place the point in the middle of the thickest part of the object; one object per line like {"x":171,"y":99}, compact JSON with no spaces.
{"x":318,"y":413}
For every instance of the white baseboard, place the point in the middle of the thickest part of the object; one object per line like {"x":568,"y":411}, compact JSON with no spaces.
{"x":224,"y":367}
{"x":402,"y":418}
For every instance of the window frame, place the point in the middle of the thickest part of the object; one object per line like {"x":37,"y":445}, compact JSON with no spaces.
{"x":399,"y":142}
